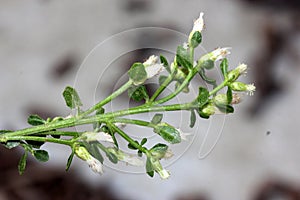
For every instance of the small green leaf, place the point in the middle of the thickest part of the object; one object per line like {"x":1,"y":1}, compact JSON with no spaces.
{"x":69,"y":162}
{"x":192,"y":118}
{"x":226,"y":108}
{"x":229,"y":95}
{"x":41,"y":155}
{"x":35,"y":120}
{"x":168,"y":133}
{"x":71,"y":97}
{"x":36,"y":144}
{"x":22,"y":163}
{"x":183,"y":57}
{"x":196,"y":39}
{"x":11,"y":144}
{"x":112,"y":157}
{"x":208,"y":64}
{"x":137,"y":73}
{"x":203,"y":96}
{"x":149,"y":168}
{"x":165,"y":63}
{"x":144,"y":140}
{"x":138,"y":93}
{"x":162,"y":79}
{"x":159,"y":150}
{"x":224,"y":67}
{"x":157,"y":118}
{"x":94,"y":151}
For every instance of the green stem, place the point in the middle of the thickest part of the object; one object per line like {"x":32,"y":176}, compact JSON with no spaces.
{"x":128,"y":138}
{"x":218,"y":88}
{"x":41,"y":139}
{"x":133,"y":121}
{"x":107,"y":99}
{"x":162,"y":88}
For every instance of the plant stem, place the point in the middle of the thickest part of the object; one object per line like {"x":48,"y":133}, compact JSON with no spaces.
{"x":41,"y":139}
{"x":122,"y":89}
{"x":133,"y":121}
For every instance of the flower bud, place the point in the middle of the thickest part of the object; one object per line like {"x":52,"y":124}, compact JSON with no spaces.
{"x":242,"y":87}
{"x":129,"y":159}
{"x":152,"y":67}
{"x":215,"y":55}
{"x":221,"y":100}
{"x":233,"y":75}
{"x":208,"y":110}
{"x":199,"y":23}
{"x":159,"y":150}
{"x":157,"y":167}
{"x":168,"y":133}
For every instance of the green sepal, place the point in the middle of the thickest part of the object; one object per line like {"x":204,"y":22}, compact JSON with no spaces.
{"x":22,"y":163}
{"x":226,"y":108}
{"x":112,"y":157}
{"x":159,"y":150}
{"x":192,"y":118}
{"x":203,"y":96}
{"x":157,"y":118}
{"x":41,"y":155}
{"x":138,"y":93}
{"x":168,"y":133}
{"x":137,"y":73}
{"x":224,"y":67}
{"x":195,"y":39}
{"x":229,"y":95}
{"x":71,"y":97}
{"x":149,"y":167}
{"x":183,"y":57}
{"x":208,"y":64}
{"x":69,"y":162}
{"x":165,"y":63}
{"x":35,"y":120}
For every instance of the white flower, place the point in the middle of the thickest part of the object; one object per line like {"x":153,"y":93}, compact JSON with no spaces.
{"x":95,"y":165}
{"x":164,"y":174}
{"x":185,"y":45}
{"x":98,"y":136}
{"x":250,"y":89}
{"x":236,"y":98}
{"x":152,"y":60}
{"x":132,"y":160}
{"x":168,"y":154}
{"x":152,"y":67}
{"x":219,"y":53}
{"x":242,"y":68}
{"x":199,"y":23}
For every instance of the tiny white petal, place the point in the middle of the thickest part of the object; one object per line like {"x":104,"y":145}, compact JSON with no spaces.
{"x":220,"y":53}
{"x":154,"y":70}
{"x":199,"y":23}
{"x":95,"y":165}
{"x":98,"y":136}
{"x":251,"y":89}
{"x":152,"y":60}
{"x":164,"y":174}
{"x":242,"y":68}
{"x":185,"y":45}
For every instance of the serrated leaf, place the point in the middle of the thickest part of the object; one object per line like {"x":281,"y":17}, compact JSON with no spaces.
{"x":149,"y":168}
{"x":41,"y":155}
{"x":137,"y":73}
{"x":203,"y":96}
{"x":165,"y":63}
{"x":138,"y":93}
{"x":69,"y":162}
{"x":22,"y":163}
{"x":35,"y":120}
{"x":196,"y":39}
{"x":157,"y":118}
{"x":183,"y":57}
{"x":224,"y":67}
{"x":162,"y":79}
{"x":71,"y":97}
{"x":192,"y":119}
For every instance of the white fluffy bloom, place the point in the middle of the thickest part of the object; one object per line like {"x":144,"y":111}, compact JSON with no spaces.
{"x":250,"y":89}
{"x":98,"y":136}
{"x":152,"y":67}
{"x":242,"y":68}
{"x":95,"y":165}
{"x":199,"y":23}
{"x":219,"y":53}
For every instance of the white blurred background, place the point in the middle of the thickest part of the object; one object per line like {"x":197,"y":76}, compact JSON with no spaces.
{"x":43,"y":45}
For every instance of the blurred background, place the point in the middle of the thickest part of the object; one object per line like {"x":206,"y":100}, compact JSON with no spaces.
{"x":46,"y":45}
